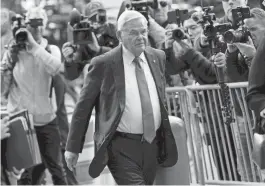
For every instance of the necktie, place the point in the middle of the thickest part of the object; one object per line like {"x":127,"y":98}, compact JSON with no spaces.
{"x":147,"y":110}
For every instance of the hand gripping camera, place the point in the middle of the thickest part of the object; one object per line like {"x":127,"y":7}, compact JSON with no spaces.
{"x":241,"y":34}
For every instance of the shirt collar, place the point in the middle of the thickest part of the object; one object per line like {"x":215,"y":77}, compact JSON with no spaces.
{"x":129,"y":56}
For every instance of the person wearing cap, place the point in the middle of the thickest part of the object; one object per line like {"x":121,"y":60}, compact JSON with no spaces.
{"x":127,"y":87}
{"x":37,"y":62}
{"x":104,"y":38}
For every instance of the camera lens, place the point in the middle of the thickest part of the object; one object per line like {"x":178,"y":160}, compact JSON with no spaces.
{"x":232,"y":36}
{"x":21,"y":36}
{"x":179,"y":34}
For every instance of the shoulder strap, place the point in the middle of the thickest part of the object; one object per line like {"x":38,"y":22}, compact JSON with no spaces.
{"x":48,"y":49}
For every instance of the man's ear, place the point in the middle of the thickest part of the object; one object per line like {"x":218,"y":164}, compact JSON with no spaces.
{"x":118,"y":35}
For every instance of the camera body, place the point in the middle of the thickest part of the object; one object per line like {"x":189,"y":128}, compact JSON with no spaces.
{"x":240,"y":33}
{"x":142,"y":6}
{"x":211,"y":31}
{"x":178,"y":16}
{"x":234,"y":36}
{"x":214,"y":33}
{"x":79,"y":29}
{"x":239,"y":14}
{"x":21,"y":36}
{"x":207,"y":16}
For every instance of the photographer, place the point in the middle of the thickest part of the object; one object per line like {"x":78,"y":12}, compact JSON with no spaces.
{"x":240,"y":55}
{"x":103,"y":39}
{"x":201,"y":42}
{"x":6,"y":30}
{"x":182,"y":57}
{"x":32,"y":63}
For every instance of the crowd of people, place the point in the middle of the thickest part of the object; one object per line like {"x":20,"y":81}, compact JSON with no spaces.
{"x":125,"y":69}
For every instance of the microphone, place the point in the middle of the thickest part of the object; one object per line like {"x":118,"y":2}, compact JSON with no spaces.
{"x":74,"y":17}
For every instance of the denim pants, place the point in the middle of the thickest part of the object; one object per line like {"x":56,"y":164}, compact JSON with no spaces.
{"x":49,"y":143}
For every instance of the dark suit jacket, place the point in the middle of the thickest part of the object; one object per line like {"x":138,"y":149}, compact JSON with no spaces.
{"x":256,"y":88}
{"x":104,"y":89}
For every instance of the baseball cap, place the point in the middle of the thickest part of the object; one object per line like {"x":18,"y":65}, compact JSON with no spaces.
{"x":92,"y":8}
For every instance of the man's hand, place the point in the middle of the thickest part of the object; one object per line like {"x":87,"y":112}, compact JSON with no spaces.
{"x":14,"y":175}
{"x":247,"y":49}
{"x":220,"y":60}
{"x":231,"y":48}
{"x":180,"y":47}
{"x":68,"y":51}
{"x":94,"y":46}
{"x":71,"y":159}
{"x":5,"y":128}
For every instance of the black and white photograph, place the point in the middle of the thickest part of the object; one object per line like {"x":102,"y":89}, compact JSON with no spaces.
{"x":132,"y":92}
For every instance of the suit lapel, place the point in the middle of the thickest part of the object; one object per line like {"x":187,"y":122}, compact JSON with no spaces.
{"x":119,"y":77}
{"x":154,"y":67}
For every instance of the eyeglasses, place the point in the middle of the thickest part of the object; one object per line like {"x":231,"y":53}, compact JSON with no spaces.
{"x":142,"y":32}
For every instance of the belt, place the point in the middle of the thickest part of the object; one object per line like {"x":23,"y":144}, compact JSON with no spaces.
{"x":137,"y":137}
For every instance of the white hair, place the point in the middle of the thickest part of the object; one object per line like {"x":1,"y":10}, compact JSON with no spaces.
{"x":128,"y":15}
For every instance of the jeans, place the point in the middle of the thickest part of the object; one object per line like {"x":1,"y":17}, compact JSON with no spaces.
{"x":49,"y":144}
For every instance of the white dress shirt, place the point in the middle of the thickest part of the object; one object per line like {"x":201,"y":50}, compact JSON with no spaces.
{"x":131,"y":120}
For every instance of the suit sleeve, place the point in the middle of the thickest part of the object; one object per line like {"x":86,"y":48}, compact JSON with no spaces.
{"x":82,"y":113}
{"x":256,"y":88}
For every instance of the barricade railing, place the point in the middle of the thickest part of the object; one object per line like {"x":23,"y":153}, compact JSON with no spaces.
{"x":219,"y":153}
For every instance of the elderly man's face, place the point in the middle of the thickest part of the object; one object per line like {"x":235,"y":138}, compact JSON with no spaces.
{"x":228,"y":5}
{"x":134,"y":35}
{"x":256,"y":28}
{"x":160,"y":14}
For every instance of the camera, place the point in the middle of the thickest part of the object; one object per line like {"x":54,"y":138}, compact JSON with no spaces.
{"x":20,"y":36}
{"x":142,"y":6}
{"x":101,"y":16}
{"x":241,"y":34}
{"x":179,"y":34}
{"x":79,"y":28}
{"x":239,"y":14}
{"x":234,"y":36}
{"x":211,"y":31}
{"x":178,"y":16}
{"x":208,"y":17}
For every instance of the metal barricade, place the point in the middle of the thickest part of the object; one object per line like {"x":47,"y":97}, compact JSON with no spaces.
{"x":219,"y":153}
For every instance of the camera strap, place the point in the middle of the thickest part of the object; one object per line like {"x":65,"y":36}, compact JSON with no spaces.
{"x":48,"y":49}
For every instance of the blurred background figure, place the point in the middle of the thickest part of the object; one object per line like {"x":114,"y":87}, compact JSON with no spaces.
{"x":6,"y":28}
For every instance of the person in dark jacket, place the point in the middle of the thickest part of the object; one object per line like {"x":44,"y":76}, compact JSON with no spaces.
{"x":104,"y":39}
{"x":256,"y":88}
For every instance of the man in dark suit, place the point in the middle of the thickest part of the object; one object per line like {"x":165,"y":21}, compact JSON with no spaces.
{"x":127,"y":88}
